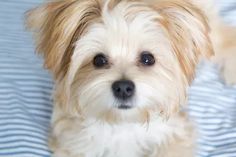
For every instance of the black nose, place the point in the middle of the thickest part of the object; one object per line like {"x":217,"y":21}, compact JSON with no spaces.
{"x":123,"y":89}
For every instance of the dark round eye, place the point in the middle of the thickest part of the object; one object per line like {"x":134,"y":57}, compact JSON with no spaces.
{"x":147,"y":58}
{"x":100,"y":61}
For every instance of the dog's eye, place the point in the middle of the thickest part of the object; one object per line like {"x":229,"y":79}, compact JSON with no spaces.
{"x":100,"y":61}
{"x":147,"y":58}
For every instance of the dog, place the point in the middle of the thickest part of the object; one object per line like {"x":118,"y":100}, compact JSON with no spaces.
{"x":122,"y":69}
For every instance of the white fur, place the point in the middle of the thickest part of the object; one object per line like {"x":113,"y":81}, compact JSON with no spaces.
{"x":86,"y":120}
{"x":99,"y":139}
{"x":123,"y":41}
{"x":161,"y":86}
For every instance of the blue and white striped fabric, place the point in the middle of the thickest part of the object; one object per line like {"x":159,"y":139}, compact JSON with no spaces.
{"x":25,"y":89}
{"x":213,"y":107}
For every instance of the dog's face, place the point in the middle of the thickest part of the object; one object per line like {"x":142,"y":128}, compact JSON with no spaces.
{"x":121,"y":60}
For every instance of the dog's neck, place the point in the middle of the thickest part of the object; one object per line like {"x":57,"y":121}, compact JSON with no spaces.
{"x":121,"y":139}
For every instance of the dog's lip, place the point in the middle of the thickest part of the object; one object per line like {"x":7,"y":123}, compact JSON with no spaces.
{"x":124,"y":107}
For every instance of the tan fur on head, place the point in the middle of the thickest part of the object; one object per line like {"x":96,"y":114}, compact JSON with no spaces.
{"x":48,"y":21}
{"x":182,"y":21}
{"x":57,"y":26}
{"x":71,"y":33}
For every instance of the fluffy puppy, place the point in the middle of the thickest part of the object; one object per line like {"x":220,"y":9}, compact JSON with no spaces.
{"x":121,"y":69}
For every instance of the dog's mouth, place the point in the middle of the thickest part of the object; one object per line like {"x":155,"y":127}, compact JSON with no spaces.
{"x":124,"y":107}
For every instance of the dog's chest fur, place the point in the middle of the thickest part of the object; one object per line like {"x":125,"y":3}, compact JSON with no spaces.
{"x":123,"y":140}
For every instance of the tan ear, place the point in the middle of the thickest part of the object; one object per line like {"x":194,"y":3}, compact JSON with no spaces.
{"x":188,"y":30}
{"x":57,"y":25}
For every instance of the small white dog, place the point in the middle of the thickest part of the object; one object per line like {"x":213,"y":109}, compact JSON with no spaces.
{"x":122,"y":68}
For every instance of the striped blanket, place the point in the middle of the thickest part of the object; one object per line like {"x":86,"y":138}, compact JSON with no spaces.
{"x":26,"y":104}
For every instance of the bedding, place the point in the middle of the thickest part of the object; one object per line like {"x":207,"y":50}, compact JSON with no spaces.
{"x":26,"y":103}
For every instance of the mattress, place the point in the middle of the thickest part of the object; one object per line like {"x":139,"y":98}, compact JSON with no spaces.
{"x":26,"y":103}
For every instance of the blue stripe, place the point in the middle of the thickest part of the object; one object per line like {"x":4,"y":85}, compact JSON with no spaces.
{"x":23,"y":139}
{"x":23,"y":133}
{"x":36,"y":149}
{"x":5,"y":129}
{"x":27,"y":123}
{"x":13,"y":153}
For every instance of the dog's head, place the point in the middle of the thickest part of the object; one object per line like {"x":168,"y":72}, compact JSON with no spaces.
{"x":120,"y":59}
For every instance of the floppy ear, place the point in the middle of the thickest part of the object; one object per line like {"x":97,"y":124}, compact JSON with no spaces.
{"x":188,"y":30}
{"x":57,"y":25}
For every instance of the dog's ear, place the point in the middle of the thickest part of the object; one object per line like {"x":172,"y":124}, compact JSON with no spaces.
{"x":57,"y":25}
{"x":188,"y":30}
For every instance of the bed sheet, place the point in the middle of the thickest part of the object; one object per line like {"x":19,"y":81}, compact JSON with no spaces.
{"x":26,"y":103}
